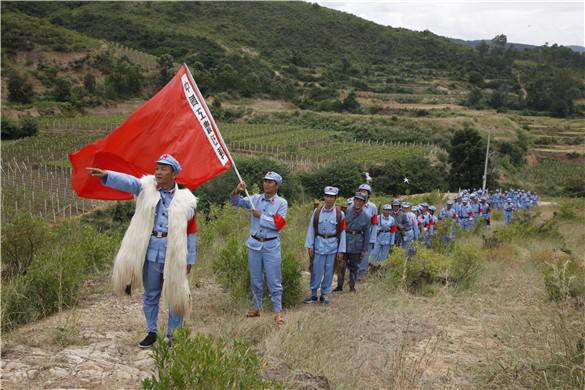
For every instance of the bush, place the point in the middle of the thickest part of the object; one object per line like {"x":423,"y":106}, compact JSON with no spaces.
{"x":523,"y":226}
{"x":466,"y":262}
{"x":54,"y":278}
{"x":204,"y":362}
{"x":456,"y":265}
{"x":346,"y":175}
{"x":10,"y":130}
{"x":19,"y":90}
{"x":419,"y":274}
{"x":564,"y":277}
{"x":22,"y":235}
{"x":572,"y":208}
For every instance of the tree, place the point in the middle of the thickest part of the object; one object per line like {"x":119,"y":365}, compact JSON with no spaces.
{"x":350,"y":102}
{"x":498,"y":99}
{"x":62,"y":89}
{"x":89,"y":83}
{"x":466,"y":157}
{"x":500,"y":41}
{"x":165,"y":67}
{"x":19,"y":90}
{"x":475,"y":78}
{"x":474,"y":98}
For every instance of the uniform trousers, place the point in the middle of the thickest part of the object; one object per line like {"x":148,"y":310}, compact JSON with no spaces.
{"x":352,"y":261}
{"x":266,"y":260}
{"x":322,"y":273}
{"x":152,"y":277}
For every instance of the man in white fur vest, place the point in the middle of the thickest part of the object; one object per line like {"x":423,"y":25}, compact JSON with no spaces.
{"x":159,"y":244}
{"x":267,"y":219}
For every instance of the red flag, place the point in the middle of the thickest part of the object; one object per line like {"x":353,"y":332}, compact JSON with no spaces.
{"x":175,"y":121}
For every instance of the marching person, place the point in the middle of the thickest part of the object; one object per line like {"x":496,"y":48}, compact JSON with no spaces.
{"x":370,"y":209}
{"x":485,"y":211}
{"x":267,"y":219}
{"x":465,"y":215}
{"x":448,"y":212}
{"x":325,"y":243}
{"x":509,"y":208}
{"x":357,"y":230}
{"x":431,"y":224}
{"x":408,"y":225}
{"x":385,"y":230}
{"x":158,"y":249}
{"x":396,"y":213}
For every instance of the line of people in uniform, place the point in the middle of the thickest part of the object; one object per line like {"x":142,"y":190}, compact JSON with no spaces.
{"x":347,"y":239}
{"x":365,"y":237}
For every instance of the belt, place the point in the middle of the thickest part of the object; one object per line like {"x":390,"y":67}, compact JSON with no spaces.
{"x":327,"y":235}
{"x":384,"y":231}
{"x":262,"y":239}
{"x":354,"y":232}
{"x":159,"y":234}
{"x":463,"y":217}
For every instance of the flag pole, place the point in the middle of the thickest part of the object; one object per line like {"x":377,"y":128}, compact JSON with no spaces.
{"x":218,"y":133}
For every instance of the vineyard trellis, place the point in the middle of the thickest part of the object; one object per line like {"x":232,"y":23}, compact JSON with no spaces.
{"x":35,"y":172}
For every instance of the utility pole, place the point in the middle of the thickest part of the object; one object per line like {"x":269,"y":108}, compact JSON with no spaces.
{"x":487,"y":154}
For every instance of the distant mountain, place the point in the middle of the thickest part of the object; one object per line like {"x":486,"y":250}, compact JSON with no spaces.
{"x":518,"y":46}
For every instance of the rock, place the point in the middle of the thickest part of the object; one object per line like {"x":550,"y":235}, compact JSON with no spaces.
{"x":59,"y":372}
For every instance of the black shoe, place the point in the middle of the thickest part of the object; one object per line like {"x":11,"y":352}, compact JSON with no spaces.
{"x":352,"y":289}
{"x":337,"y":289}
{"x":310,"y":299}
{"x":148,"y":341}
{"x":128,"y":289}
{"x":321,"y":298}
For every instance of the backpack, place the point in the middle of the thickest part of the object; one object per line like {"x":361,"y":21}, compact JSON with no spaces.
{"x":318,"y":213}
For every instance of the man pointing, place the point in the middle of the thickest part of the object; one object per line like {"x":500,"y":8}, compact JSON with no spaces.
{"x":159,"y":244}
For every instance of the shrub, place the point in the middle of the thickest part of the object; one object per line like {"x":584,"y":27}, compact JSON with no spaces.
{"x":19,"y":90}
{"x":564,"y":277}
{"x":466,"y":261}
{"x":10,"y":130}
{"x":231,"y":270}
{"x":54,"y":278}
{"x":419,"y":274}
{"x":291,"y":279}
{"x":204,"y":362}
{"x":572,"y":208}
{"x":456,"y":265}
{"x":346,"y":175}
{"x":22,"y":235}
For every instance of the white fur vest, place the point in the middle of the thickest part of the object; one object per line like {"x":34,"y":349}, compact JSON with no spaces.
{"x":132,"y":254}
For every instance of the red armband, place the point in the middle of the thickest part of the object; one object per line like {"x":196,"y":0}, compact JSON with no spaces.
{"x":374,"y":219}
{"x":393,"y":229}
{"x":279,"y":222}
{"x":471,"y":214}
{"x":192,"y":225}
{"x":343,"y":225}
{"x":454,"y":216}
{"x":480,"y":211}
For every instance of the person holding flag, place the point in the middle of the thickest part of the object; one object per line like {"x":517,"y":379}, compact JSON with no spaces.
{"x":159,"y":243}
{"x":267,"y":219}
{"x":176,"y":125}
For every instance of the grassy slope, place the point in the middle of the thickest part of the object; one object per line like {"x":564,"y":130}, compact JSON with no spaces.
{"x":503,"y":333}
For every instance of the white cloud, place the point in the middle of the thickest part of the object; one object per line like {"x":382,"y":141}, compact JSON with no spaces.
{"x":531,"y":22}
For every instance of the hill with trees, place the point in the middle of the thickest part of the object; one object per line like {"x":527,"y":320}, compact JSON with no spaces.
{"x":300,"y":52}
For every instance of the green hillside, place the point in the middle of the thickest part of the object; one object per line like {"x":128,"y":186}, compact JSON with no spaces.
{"x":312,"y":55}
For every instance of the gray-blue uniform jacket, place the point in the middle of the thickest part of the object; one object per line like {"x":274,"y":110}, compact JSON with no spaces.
{"x":357,"y":231}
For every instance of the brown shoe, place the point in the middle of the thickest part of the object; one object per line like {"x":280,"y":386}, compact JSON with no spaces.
{"x":279,"y":319}
{"x":253,"y":312}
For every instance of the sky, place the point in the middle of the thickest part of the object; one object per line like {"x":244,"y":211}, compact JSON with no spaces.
{"x":530,"y":22}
